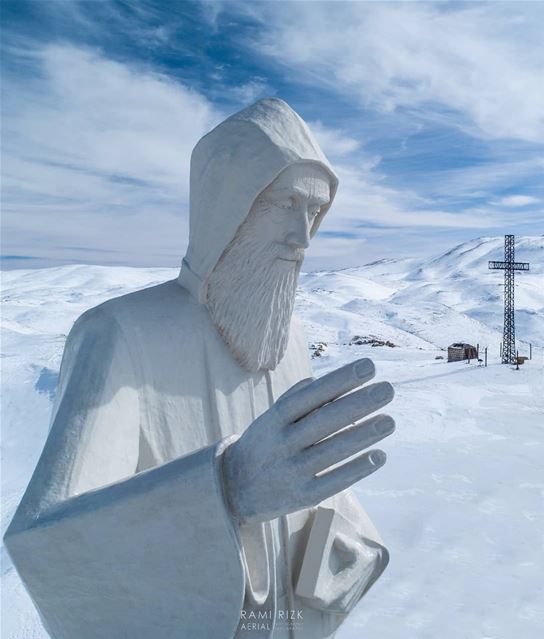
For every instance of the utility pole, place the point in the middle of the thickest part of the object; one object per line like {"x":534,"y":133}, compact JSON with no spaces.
{"x":509,"y":266}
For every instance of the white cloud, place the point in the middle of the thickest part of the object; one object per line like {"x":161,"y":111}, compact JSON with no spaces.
{"x":362,"y":200}
{"x":92,"y":147}
{"x":96,"y":165}
{"x":250,"y":91}
{"x":517,"y":200}
{"x":211,"y":10}
{"x":480,"y":180}
{"x":334,"y":143}
{"x":483,"y":61}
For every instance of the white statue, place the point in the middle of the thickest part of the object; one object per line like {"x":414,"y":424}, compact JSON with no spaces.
{"x":181,"y":492}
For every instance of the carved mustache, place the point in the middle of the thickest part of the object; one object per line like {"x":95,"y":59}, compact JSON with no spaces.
{"x":288,"y":254}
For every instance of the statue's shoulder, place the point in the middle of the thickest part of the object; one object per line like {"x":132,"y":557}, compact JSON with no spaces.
{"x":149,"y":308}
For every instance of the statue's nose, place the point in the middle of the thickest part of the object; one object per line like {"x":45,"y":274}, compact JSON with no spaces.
{"x":299,"y":233}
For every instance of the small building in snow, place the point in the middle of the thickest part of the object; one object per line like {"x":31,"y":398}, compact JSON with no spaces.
{"x":459,"y":351}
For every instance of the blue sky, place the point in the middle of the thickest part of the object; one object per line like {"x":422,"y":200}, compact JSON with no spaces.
{"x":432,"y":114}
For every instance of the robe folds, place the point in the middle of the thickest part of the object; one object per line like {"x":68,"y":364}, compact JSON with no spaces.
{"x":124,"y":530}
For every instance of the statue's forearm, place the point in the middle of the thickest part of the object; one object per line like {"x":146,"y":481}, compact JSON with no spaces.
{"x":138,"y":554}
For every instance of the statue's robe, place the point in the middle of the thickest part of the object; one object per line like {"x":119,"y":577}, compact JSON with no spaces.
{"x":124,"y":530}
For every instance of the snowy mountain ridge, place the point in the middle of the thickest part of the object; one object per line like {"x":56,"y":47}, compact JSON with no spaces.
{"x":429,"y":303}
{"x":421,"y":303}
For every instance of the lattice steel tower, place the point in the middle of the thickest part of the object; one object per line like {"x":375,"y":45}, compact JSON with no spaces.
{"x":509,"y":266}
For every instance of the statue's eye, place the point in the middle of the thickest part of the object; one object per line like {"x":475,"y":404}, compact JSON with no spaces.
{"x":286,"y":205}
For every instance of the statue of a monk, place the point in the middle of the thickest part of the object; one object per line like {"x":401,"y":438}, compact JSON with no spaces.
{"x":194,"y":480}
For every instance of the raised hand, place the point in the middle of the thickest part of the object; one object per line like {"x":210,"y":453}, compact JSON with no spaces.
{"x":272,"y":469}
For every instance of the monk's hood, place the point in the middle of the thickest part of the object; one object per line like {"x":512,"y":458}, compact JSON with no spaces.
{"x":230,"y":167}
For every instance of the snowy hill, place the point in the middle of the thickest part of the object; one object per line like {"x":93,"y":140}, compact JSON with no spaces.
{"x":459,"y":502}
{"x":430,"y":303}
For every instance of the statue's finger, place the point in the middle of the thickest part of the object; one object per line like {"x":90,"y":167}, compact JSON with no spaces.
{"x":339,"y":414}
{"x":296,"y":387}
{"x":325,"y":389}
{"x":347,"y":443}
{"x":333,"y":482}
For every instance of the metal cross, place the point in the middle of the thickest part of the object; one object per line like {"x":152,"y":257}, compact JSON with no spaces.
{"x":509,"y":266}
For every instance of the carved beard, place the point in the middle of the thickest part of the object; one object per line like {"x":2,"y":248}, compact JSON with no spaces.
{"x":251,"y":295}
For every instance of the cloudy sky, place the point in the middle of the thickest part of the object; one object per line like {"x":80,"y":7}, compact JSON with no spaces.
{"x":432,"y":114}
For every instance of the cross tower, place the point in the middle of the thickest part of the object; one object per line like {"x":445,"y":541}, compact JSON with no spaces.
{"x":509,"y":266}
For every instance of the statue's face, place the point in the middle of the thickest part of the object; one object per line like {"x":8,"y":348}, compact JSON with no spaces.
{"x":251,"y":291}
{"x":285,"y":211}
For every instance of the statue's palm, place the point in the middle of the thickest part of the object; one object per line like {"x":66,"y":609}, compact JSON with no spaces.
{"x":271,"y":470}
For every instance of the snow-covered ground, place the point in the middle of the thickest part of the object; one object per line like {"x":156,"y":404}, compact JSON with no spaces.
{"x":461,"y":501}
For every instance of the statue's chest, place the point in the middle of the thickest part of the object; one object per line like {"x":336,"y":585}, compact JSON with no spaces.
{"x":173,"y":425}
{"x":194,"y":394}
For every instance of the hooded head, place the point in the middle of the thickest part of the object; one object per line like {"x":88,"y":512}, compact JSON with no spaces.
{"x":232,"y":168}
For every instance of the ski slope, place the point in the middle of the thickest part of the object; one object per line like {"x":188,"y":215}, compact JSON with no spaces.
{"x":460,"y":501}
